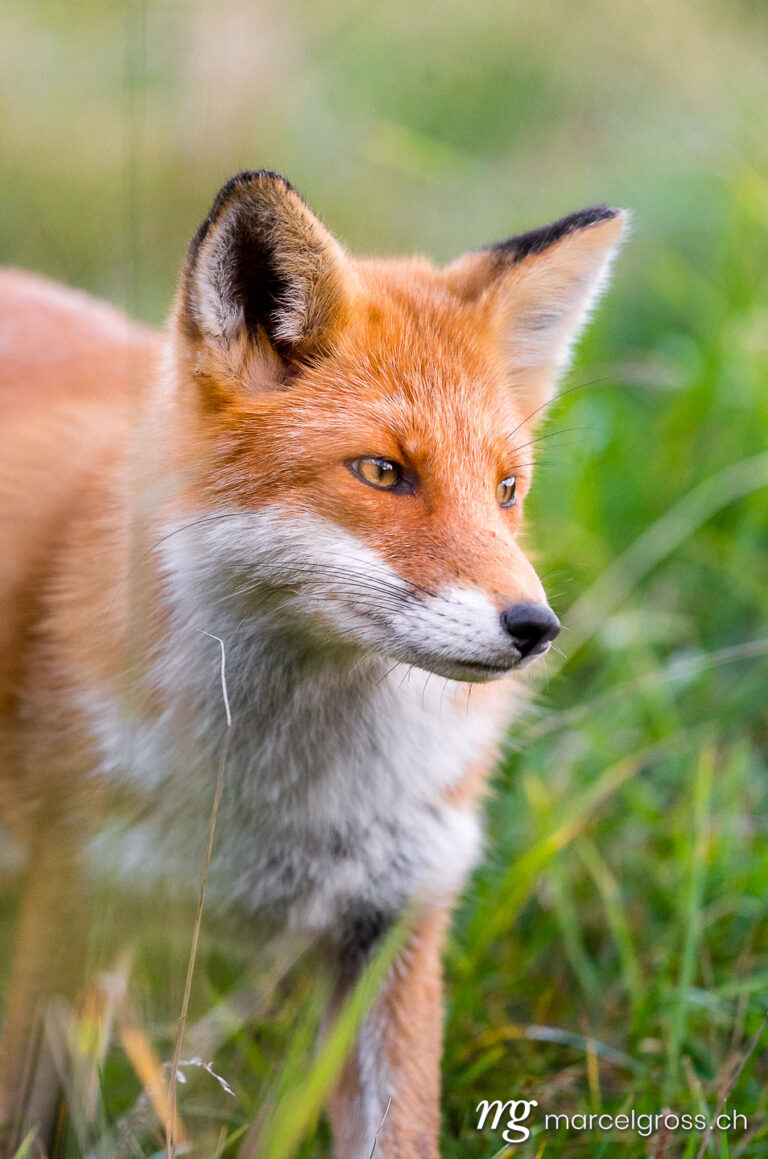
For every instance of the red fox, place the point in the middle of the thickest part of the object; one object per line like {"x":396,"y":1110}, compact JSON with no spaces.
{"x":323,"y":461}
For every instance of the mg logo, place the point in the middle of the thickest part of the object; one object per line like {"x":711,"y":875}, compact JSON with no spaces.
{"x":515,"y":1111}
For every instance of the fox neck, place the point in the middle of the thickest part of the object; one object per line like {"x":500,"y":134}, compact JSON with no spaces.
{"x":325,"y":744}
{"x":299,"y":699}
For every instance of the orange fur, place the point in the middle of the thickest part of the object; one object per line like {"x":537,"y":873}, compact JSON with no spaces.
{"x":107,"y":429}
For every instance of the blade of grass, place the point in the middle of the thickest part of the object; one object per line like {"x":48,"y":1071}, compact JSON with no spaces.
{"x":757,"y":984}
{"x":171,"y":1125}
{"x":679,"y":669}
{"x":732,"y":1084}
{"x":514,"y":1033}
{"x":295,"y":1116}
{"x":566,"y":912}
{"x":691,"y":915}
{"x":657,"y":542}
{"x":492,"y":918}
{"x":149,"y":1070}
{"x":565,"y":908}
{"x":610,"y":893}
{"x":25,"y":1148}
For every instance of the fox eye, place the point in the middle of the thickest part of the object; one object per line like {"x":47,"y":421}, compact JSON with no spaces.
{"x":506,"y":492}
{"x":381,"y":473}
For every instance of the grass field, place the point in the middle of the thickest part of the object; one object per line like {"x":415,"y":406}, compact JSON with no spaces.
{"x":611,"y":953}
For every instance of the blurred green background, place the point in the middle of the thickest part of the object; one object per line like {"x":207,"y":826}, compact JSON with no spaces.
{"x":612,"y":952}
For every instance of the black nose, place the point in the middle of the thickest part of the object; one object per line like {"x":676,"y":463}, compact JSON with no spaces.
{"x":530,"y":626}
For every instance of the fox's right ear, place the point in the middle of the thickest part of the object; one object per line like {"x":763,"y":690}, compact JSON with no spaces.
{"x":264,"y":283}
{"x":536,"y":291}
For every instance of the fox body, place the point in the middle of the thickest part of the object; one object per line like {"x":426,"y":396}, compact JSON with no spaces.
{"x":323,"y":463}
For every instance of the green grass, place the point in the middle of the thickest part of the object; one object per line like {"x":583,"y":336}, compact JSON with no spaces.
{"x":611,"y":953}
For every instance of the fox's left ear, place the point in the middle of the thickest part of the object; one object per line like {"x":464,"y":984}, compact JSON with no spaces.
{"x":263,"y":288}
{"x":536,"y":290}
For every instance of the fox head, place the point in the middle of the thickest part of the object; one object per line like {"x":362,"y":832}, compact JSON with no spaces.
{"x":364,"y":427}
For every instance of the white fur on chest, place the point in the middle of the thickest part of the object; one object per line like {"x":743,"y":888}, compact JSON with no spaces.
{"x":334,"y":801}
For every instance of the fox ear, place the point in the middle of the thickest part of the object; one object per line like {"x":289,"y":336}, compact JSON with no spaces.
{"x":536,"y":291}
{"x":263,"y":276}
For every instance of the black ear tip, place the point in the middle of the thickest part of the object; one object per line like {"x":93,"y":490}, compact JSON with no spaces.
{"x":593,"y":215}
{"x":535,"y":241}
{"x":247,"y":179}
{"x":251,"y":177}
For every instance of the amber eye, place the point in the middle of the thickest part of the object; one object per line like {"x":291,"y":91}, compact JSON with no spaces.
{"x":380,"y":473}
{"x":505,"y":492}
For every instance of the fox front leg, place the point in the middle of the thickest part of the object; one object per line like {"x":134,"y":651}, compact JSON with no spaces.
{"x":387,"y":1102}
